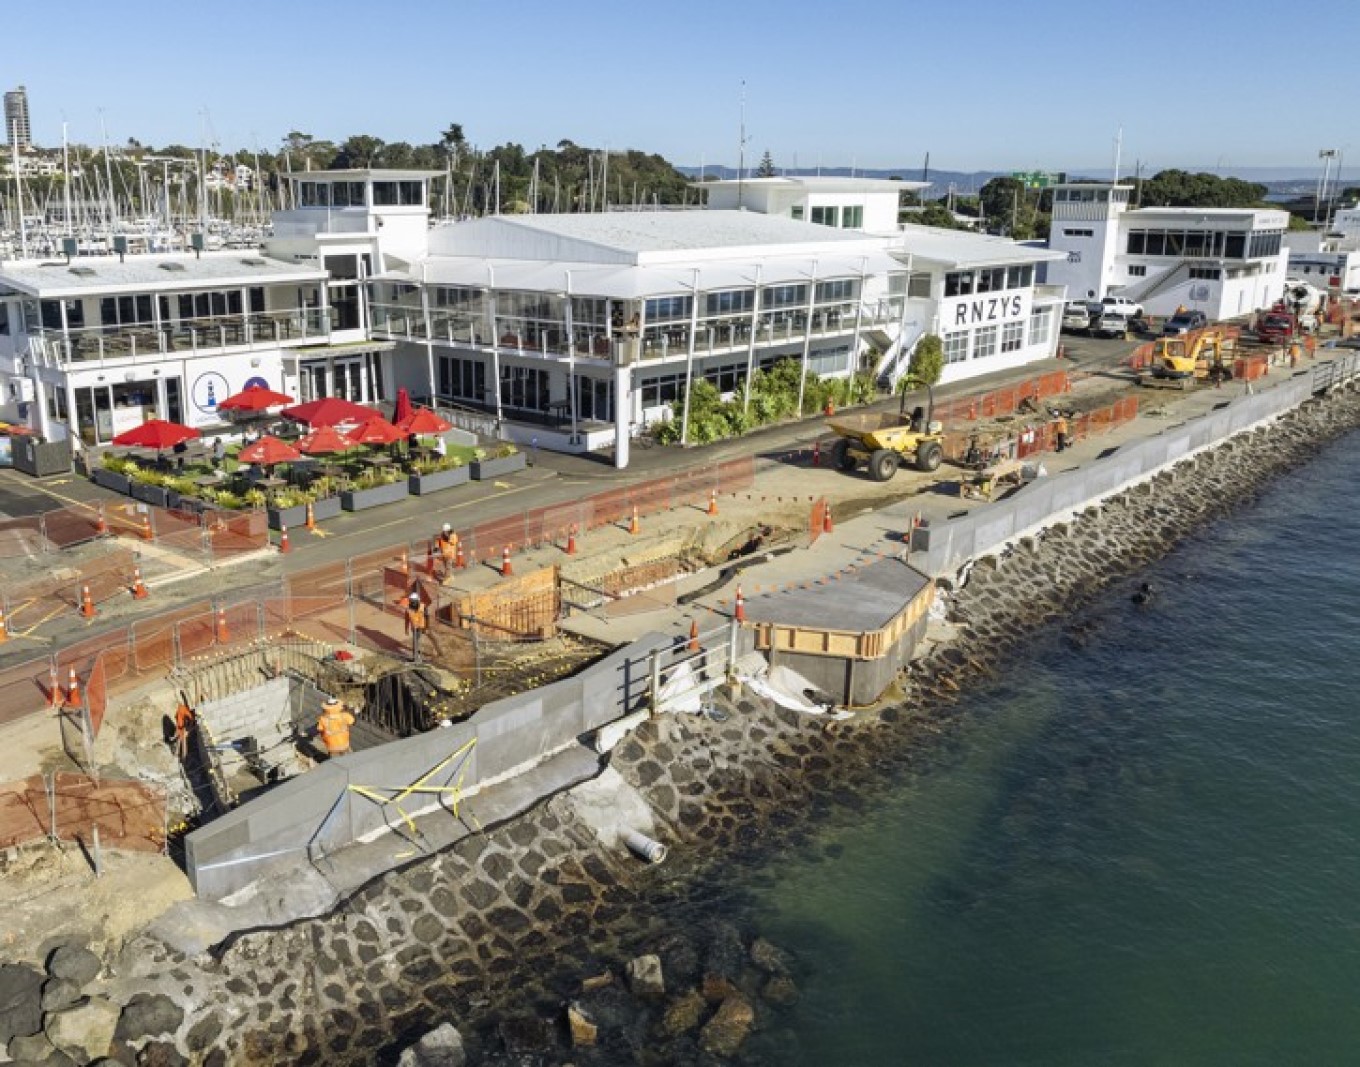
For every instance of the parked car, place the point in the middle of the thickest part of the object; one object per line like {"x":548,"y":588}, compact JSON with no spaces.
{"x":1131,"y":308}
{"x":1183,"y":322}
{"x":1076,"y":317}
{"x":1111,"y":322}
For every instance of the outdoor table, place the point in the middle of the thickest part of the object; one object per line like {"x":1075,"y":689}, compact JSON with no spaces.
{"x":377,"y":461}
{"x":207,"y":480}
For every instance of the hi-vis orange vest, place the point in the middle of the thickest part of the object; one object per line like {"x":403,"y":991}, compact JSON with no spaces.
{"x":448,"y":545}
{"x":334,"y":726}
{"x":416,"y":619}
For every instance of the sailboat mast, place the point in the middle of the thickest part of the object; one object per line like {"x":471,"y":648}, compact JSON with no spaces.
{"x":66,"y":180}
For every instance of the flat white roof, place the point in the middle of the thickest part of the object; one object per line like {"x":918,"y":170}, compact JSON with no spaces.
{"x":641,"y":232}
{"x":361,"y":174}
{"x":1207,"y":214}
{"x":141,"y":273}
{"x":815,"y":183}
{"x":963,"y":248}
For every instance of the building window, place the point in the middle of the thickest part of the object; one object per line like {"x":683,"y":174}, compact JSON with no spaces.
{"x":1041,"y":325}
{"x":1012,"y":337}
{"x":1019,"y":277}
{"x":796,"y":212}
{"x":991,"y":280}
{"x":984,"y":342}
{"x":668,"y":308}
{"x":1264,"y":244}
{"x":829,"y":360}
{"x":831,"y":292}
{"x":958,"y":283}
{"x":464,"y":379}
{"x":1206,"y":274}
{"x":783,"y":296}
{"x":956,"y":347}
{"x":1137,"y":271}
{"x":918,"y":286}
{"x":730,"y":303}
{"x":1236,"y":246}
{"x":1078,"y":233}
{"x":825,"y":216}
{"x":852,"y":218}
{"x":1137,"y":242}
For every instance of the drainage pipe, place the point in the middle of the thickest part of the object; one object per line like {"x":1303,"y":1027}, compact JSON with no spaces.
{"x":644,"y":847}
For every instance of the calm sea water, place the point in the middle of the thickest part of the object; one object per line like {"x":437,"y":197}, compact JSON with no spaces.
{"x":1144,"y":846}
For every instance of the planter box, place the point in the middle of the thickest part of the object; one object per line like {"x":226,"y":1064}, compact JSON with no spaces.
{"x":119,"y":483}
{"x":41,"y":458}
{"x":424,"y":484}
{"x":485,"y":469}
{"x":328,"y":507}
{"x":361,"y":499}
{"x":151,"y":494}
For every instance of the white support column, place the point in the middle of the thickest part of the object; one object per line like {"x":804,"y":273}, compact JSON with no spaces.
{"x":807,"y":338}
{"x":751,"y":341}
{"x":689,"y":357}
{"x":568,"y":321}
{"x":40,"y":399}
{"x":429,"y":332}
{"x":859,"y":318}
{"x":495,"y":340}
{"x":623,"y":408}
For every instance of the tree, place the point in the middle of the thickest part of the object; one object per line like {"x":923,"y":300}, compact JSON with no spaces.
{"x":766,"y":168}
{"x":452,"y":138}
{"x":927,"y":362}
{"x":933,"y":215}
{"x":1179,"y":188}
{"x":359,"y":151}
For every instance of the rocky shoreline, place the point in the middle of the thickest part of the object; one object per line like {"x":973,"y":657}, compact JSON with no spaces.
{"x":541,"y":944}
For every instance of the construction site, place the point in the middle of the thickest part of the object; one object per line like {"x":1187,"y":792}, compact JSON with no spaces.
{"x":603,"y":596}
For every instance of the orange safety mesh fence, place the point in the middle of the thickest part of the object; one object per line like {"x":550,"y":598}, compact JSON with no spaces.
{"x":25,"y":688}
{"x":69,"y":526}
{"x":330,"y":579}
{"x":236,"y":532}
{"x":96,"y":695}
{"x":129,"y":814}
{"x":22,"y":536}
{"x":1002,"y":401}
{"x":817,"y":518}
{"x":179,"y":531}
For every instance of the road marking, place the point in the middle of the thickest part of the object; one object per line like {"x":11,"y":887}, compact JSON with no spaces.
{"x":452,"y":507}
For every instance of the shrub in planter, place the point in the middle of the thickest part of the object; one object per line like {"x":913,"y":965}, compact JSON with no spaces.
{"x":379,"y":491}
{"x":504,"y":460}
{"x":112,"y":479}
{"x":431,"y":475}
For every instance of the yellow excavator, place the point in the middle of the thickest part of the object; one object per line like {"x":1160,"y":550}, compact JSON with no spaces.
{"x":1205,"y":356}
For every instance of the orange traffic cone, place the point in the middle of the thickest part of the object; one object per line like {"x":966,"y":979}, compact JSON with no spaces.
{"x":827,"y":525}
{"x":311,"y":518}
{"x":101,"y":526}
{"x":223,"y":636}
{"x":506,"y":569}
{"x":147,"y":534}
{"x":460,"y":561}
{"x":72,"y":688}
{"x":571,"y":541}
{"x":139,"y":591}
{"x":713,"y":503}
{"x":740,"y":613}
{"x":86,"y":602}
{"x":283,"y":537}
{"x":635,"y":527}
{"x":4,"y":630}
{"x":694,"y":635}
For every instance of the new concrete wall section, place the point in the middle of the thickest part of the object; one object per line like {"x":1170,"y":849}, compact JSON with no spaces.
{"x":943,"y":548}
{"x":319,"y":812}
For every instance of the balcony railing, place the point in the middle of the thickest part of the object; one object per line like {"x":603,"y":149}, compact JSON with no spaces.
{"x":192,"y":337}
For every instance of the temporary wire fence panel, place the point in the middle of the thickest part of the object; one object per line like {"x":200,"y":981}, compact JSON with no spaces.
{"x":96,"y":695}
{"x":22,"y":537}
{"x":25,"y":688}
{"x":64,"y":527}
{"x":129,"y":814}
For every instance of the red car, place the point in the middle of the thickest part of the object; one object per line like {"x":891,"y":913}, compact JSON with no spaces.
{"x":1276,"y":327}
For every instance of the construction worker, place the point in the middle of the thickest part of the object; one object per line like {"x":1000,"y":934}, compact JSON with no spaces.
{"x":448,"y":548}
{"x":333,"y":727}
{"x":184,"y":721}
{"x":417,"y":623}
{"x":1295,"y":350}
{"x":1060,"y":432}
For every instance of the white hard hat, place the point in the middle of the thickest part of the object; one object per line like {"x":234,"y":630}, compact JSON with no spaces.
{"x":415,"y":598}
{"x":448,"y":527}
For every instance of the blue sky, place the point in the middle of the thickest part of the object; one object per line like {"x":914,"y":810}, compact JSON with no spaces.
{"x":996,"y":84}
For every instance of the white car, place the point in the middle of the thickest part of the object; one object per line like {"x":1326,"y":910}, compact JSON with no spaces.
{"x":1076,"y":317}
{"x":1130,"y":309}
{"x":1113,"y":321}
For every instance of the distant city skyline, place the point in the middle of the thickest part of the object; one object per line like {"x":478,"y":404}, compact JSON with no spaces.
{"x":1042,"y":86}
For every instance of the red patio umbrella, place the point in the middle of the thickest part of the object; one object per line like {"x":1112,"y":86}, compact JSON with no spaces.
{"x":423,"y":420}
{"x":157,"y":434}
{"x":403,"y":408}
{"x":324,"y":440}
{"x":376,"y":431}
{"x":268,"y":451}
{"x":254,"y":398}
{"x":328,"y":411}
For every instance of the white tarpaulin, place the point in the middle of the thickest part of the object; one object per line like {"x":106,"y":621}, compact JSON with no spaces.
{"x":791,"y":690}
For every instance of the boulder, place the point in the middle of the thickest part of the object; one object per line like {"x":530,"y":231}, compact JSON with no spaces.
{"x":20,"y":1001}
{"x":147,"y":1015}
{"x":780,"y":990}
{"x":74,"y":963}
{"x":523,"y":1034}
{"x":769,"y":958}
{"x":161,"y":1054}
{"x":645,"y":978}
{"x":31,"y":1047}
{"x":724,"y":1034}
{"x":684,"y":1013}
{"x":584,"y":1033}
{"x":84,"y":1031}
{"x":716,"y":988}
{"x":58,"y":993}
{"x":441,"y":1047}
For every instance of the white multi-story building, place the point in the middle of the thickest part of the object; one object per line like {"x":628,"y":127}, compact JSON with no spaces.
{"x":96,"y":344}
{"x":1222,"y":261}
{"x":869,"y":204}
{"x":1329,"y":260}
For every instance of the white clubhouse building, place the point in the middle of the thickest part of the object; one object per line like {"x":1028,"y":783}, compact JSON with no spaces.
{"x":575,"y":331}
{"x":1225,"y":262}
